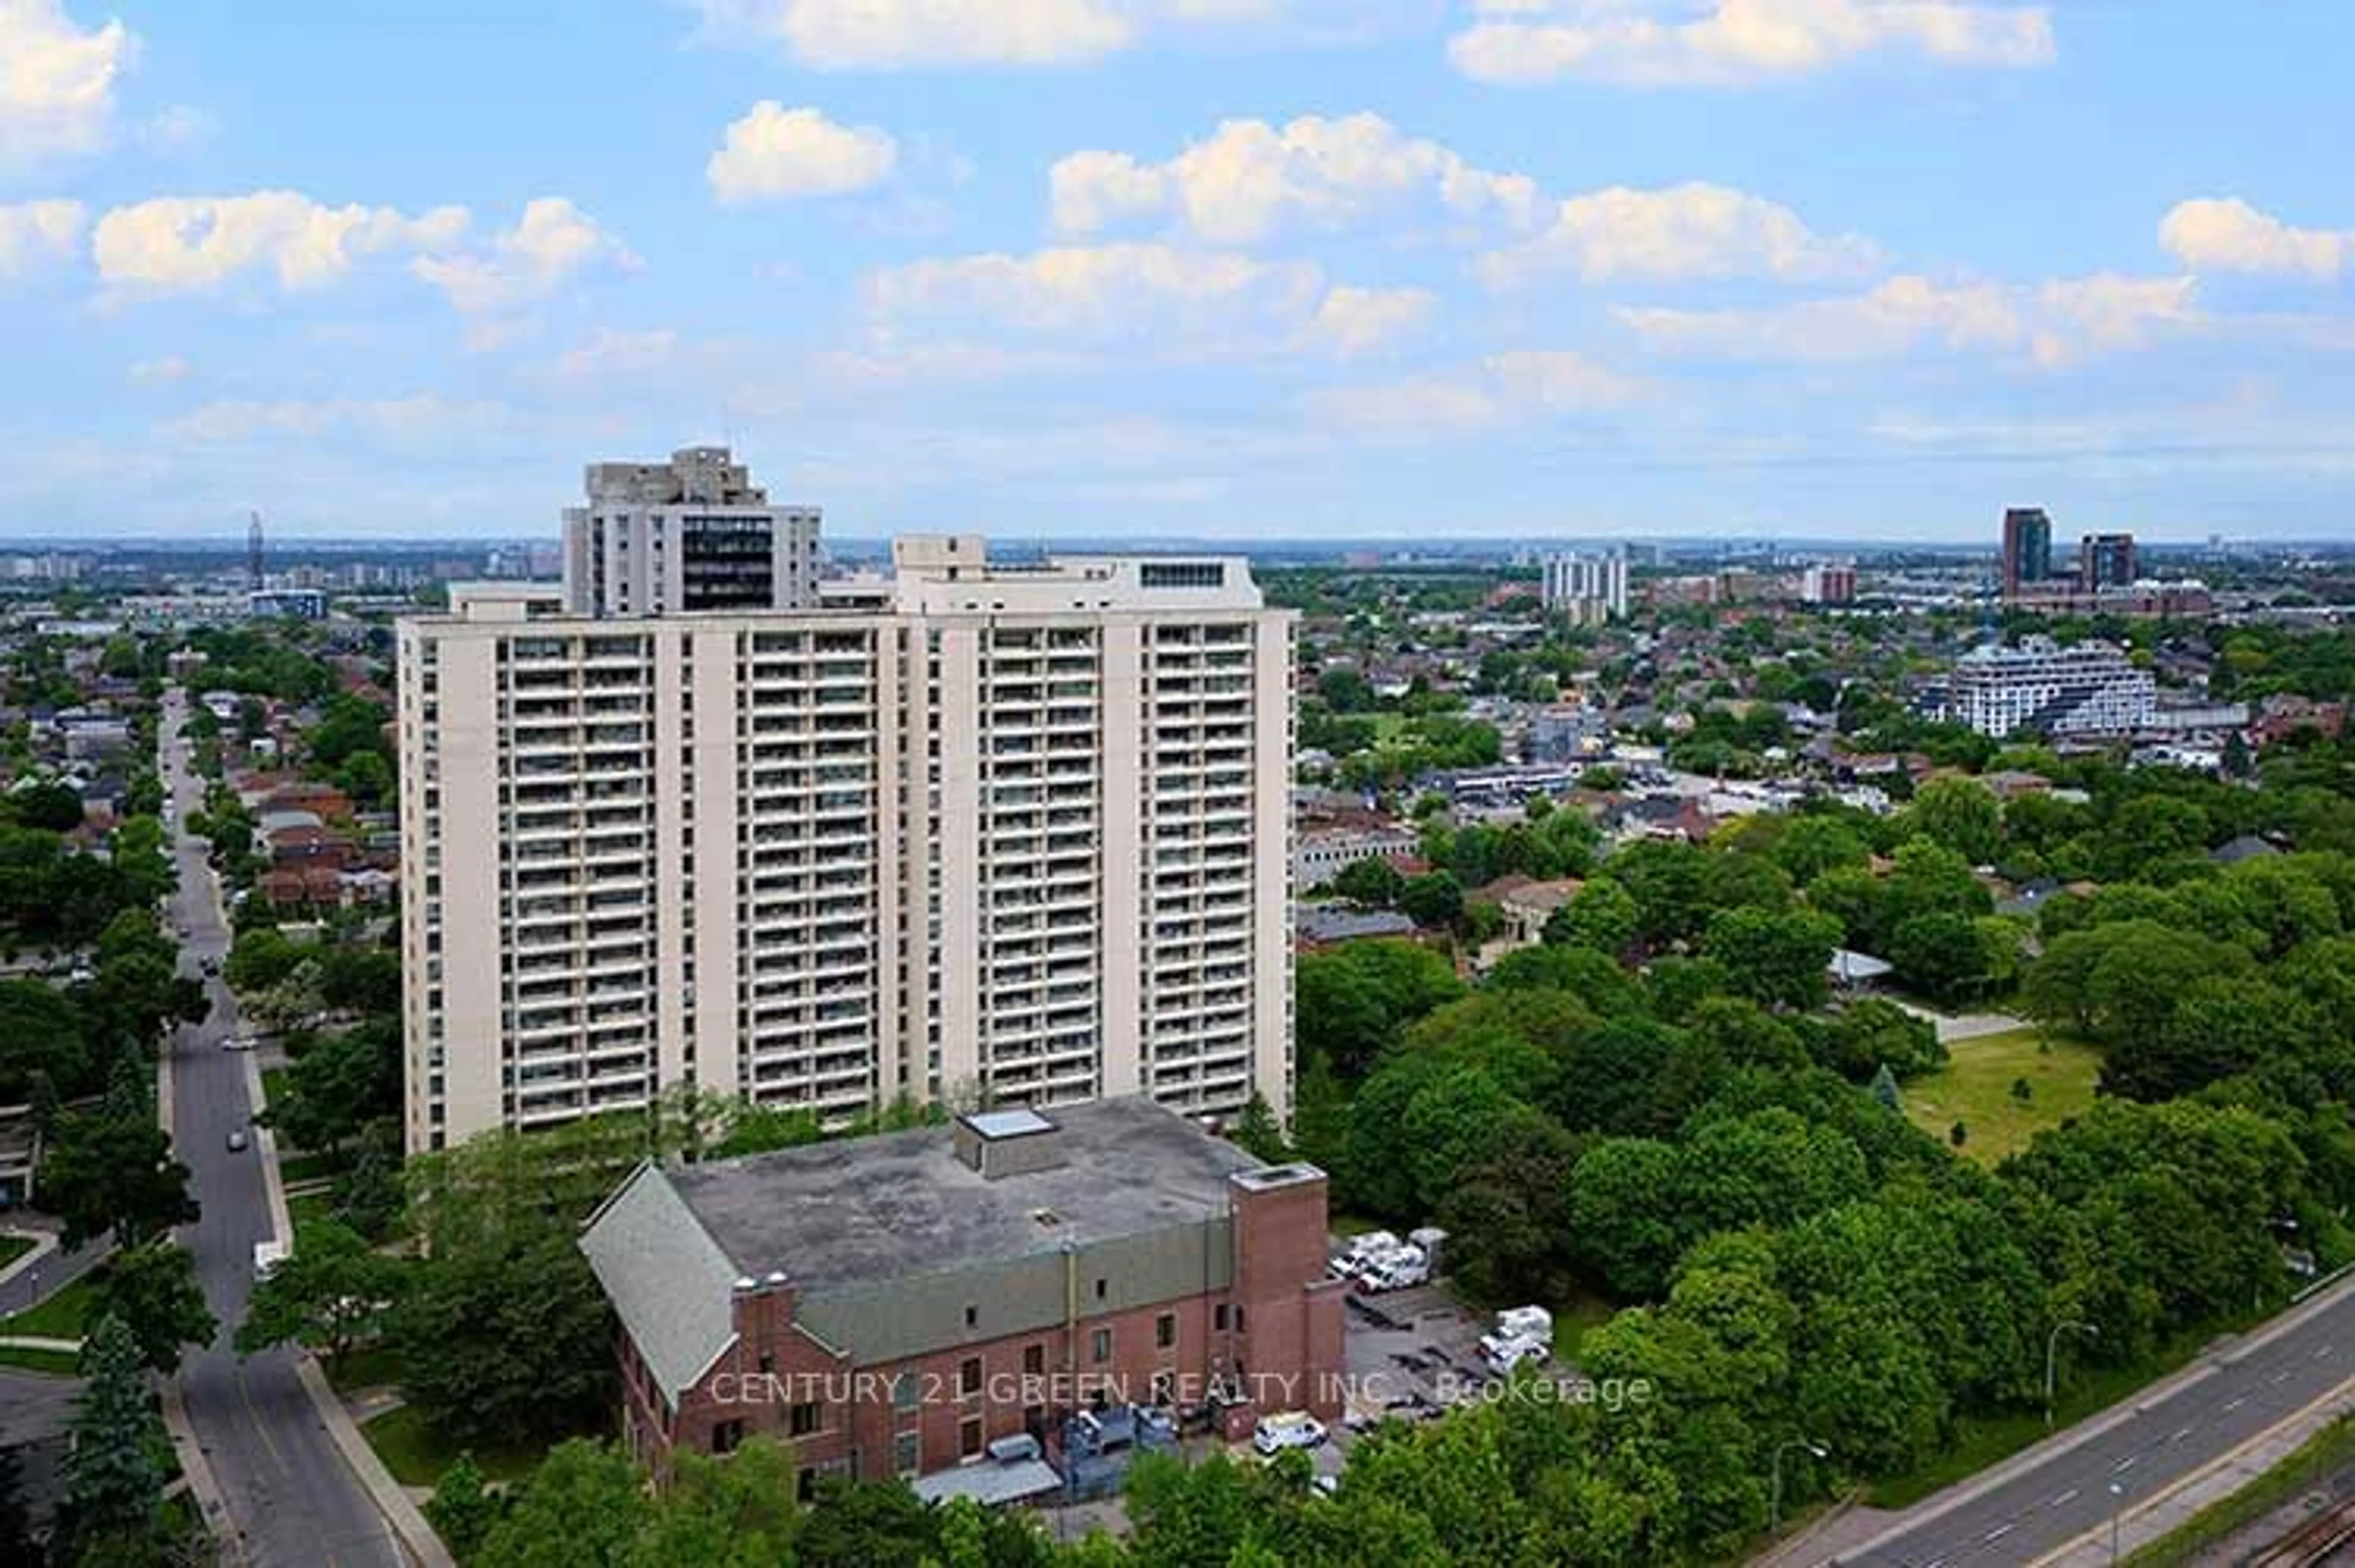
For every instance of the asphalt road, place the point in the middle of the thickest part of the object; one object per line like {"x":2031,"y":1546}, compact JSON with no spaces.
{"x":291,"y":1500}
{"x":2166,"y":1439}
{"x":51,"y":1274}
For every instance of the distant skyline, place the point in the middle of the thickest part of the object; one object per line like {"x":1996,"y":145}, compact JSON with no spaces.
{"x":1377,"y":270}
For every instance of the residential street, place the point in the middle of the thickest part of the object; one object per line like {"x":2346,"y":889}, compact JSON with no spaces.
{"x":291,"y":1498}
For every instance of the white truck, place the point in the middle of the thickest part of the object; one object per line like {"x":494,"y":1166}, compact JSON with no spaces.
{"x":267,"y":1256}
{"x":1522,"y":1334}
{"x":1395,"y":1270}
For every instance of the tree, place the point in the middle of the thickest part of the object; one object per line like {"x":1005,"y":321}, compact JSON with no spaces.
{"x":506,"y":1336}
{"x":585,"y":1505}
{"x":40,"y":1033}
{"x":113,"y":1485}
{"x":1960,"y":815}
{"x":49,"y":807}
{"x":1354,"y":1001}
{"x":108,"y":1173}
{"x":1779,"y":960}
{"x":1258,"y":1131}
{"x":1884,"y":1088}
{"x":329,"y":1293}
{"x":336,"y":1088}
{"x":1873,"y":1035}
{"x":1603,"y":915}
{"x":152,"y":1289}
{"x":1434,"y":900}
{"x":462,"y":1509}
{"x":1372,"y":881}
{"x":1628,"y":1224}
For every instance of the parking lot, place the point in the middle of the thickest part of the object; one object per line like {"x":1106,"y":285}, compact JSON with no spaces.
{"x":1406,"y":1353}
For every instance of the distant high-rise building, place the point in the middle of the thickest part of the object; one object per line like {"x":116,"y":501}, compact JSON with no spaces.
{"x":2106,"y":560}
{"x":1830,"y":582}
{"x":686,"y":537}
{"x":999,"y":835}
{"x":1587,"y":588}
{"x":2027,"y":547}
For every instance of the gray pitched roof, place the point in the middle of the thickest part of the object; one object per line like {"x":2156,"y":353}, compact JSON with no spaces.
{"x":669,"y":1281}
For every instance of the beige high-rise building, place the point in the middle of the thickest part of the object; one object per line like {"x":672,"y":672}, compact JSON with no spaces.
{"x":1002,"y":835}
{"x":692,"y":534}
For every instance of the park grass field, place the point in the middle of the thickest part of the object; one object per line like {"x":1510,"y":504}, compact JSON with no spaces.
{"x":1974,"y":1089}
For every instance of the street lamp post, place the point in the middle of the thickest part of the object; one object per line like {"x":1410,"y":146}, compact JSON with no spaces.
{"x":1775,"y":1507}
{"x":2118,"y":1505}
{"x":2052,"y":1354}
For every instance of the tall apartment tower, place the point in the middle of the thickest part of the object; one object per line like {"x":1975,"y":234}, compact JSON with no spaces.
{"x":1589,"y":589}
{"x":687,"y":536}
{"x":987,"y":835}
{"x":2027,"y":547}
{"x":2106,"y":560}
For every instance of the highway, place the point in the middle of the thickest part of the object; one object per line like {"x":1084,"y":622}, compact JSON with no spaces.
{"x":2063,"y":1490}
{"x":291,"y":1498}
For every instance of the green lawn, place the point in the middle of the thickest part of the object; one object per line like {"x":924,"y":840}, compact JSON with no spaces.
{"x":14,"y":1247}
{"x":273,"y":1085}
{"x":59,"y":1363}
{"x":417,"y":1454}
{"x":374,"y":1367}
{"x":59,"y":1317}
{"x":311,"y":1210}
{"x":1975,"y":1088}
{"x":305,"y":1168}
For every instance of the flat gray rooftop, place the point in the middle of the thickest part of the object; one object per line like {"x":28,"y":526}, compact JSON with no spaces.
{"x":869,"y":1209}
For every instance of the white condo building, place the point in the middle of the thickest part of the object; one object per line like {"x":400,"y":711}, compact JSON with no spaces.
{"x":1589,"y":589}
{"x":2091,"y":688}
{"x":977,"y":833}
{"x":692,"y":534}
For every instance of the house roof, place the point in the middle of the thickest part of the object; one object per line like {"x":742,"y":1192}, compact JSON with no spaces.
{"x":2247,"y":846}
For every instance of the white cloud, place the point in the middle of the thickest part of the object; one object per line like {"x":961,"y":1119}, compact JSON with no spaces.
{"x":57,"y":81}
{"x":407,"y":422}
{"x":176,"y":244}
{"x":2227,"y":235}
{"x":1353,"y":321}
{"x":179,"y":129}
{"x":1112,"y":293}
{"x":850,"y":35}
{"x":614,"y":354}
{"x":1498,"y":389}
{"x":1733,"y":42}
{"x":774,"y":152}
{"x":159,"y":372}
{"x":553,"y":243}
{"x":35,"y":233}
{"x":1679,"y":232}
{"x":1250,"y":179}
{"x":2054,"y":323}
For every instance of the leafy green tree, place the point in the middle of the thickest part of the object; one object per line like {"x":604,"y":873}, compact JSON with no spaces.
{"x":105,"y":1173}
{"x":1872,"y":1035}
{"x":1354,"y":1001}
{"x":152,"y":1289}
{"x":461,"y":1510}
{"x":1373,"y":882}
{"x":1603,"y":915}
{"x":334,"y":1089}
{"x":1434,"y":900}
{"x":1780,"y":960}
{"x":1884,"y":1088}
{"x":1957,"y":813}
{"x":584,"y":1506}
{"x":1628,"y":1222}
{"x":40,"y":1033}
{"x":329,"y":1293}
{"x":505,"y":1337}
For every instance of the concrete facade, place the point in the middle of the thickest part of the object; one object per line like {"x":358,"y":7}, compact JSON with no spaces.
{"x":690,"y":534}
{"x":981,"y":835}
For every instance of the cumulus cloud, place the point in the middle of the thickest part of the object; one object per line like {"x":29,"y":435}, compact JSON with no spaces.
{"x":57,"y":81}
{"x":1735,"y":42}
{"x":182,"y":244}
{"x":551,"y":244}
{"x":159,"y":372}
{"x":35,"y":233}
{"x":1250,"y":178}
{"x":1169,"y":302}
{"x":774,"y":153}
{"x":1353,"y":321}
{"x":422,"y":421}
{"x":1681,"y":231}
{"x":851,"y":35}
{"x":2225,"y":234}
{"x":2053,"y":324}
{"x":1500,"y":389}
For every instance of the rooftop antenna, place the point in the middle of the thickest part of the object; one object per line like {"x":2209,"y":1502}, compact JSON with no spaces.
{"x":253,"y":552}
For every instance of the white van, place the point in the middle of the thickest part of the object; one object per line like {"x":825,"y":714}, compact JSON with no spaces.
{"x":1395,"y":1271}
{"x":1292,"y":1429}
{"x":1500,"y":1353}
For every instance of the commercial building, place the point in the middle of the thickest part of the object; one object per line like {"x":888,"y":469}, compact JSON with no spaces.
{"x":893,"y":1306}
{"x":2106,"y":560}
{"x":2090,"y":688}
{"x":692,"y":534}
{"x":966,"y":833}
{"x":1589,"y":589}
{"x":1318,"y":858}
{"x":2027,"y":547}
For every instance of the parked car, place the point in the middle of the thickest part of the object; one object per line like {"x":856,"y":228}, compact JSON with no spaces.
{"x":237,"y":1141}
{"x":1290,"y":1429}
{"x":239,"y":1042}
{"x":1500,"y":1353}
{"x":1394,"y":1271}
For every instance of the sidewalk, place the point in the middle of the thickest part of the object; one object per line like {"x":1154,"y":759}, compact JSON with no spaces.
{"x":45,"y":1244}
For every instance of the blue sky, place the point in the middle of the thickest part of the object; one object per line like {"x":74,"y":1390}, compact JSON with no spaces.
{"x":1208,"y":268}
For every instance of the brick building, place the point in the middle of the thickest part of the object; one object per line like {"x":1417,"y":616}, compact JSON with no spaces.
{"x":893,"y":1305}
